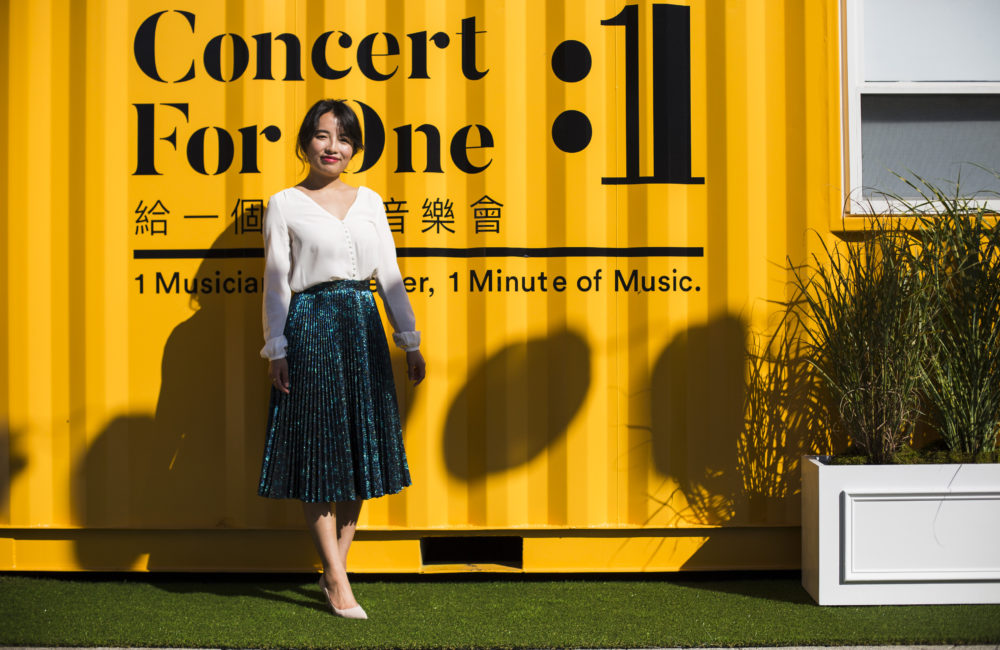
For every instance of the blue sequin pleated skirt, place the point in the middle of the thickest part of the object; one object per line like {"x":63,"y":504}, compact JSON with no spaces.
{"x":336,"y":436}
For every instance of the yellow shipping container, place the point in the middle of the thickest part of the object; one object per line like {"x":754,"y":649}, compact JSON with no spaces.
{"x":593,"y":200}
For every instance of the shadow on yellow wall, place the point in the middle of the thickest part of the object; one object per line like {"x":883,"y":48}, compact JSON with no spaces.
{"x":784,"y":418}
{"x":729,"y":423}
{"x":696,"y":414}
{"x":195,"y":463}
{"x":534,"y":388}
{"x":202,"y":445}
{"x":13,"y":459}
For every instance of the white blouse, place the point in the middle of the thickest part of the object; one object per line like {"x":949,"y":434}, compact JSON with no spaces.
{"x":305,"y":245}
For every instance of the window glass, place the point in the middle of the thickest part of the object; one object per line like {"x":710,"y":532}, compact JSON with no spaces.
{"x":931,"y":40}
{"x":934,"y":136}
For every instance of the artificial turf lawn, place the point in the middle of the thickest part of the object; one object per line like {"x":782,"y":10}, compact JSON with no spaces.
{"x":492,"y":611}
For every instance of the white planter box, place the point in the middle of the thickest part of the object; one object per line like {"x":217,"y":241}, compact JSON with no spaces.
{"x":900,"y":534}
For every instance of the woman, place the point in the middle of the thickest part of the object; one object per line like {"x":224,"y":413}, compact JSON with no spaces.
{"x":333,"y":434}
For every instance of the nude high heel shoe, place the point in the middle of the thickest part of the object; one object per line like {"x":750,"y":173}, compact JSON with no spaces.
{"x":355,"y":612}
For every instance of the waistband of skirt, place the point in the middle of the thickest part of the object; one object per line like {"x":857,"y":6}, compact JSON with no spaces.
{"x":333,"y":286}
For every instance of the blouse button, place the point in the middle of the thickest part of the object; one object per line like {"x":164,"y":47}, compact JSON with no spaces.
{"x":350,"y":249}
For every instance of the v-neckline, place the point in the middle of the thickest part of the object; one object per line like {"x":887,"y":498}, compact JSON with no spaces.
{"x":318,"y":205}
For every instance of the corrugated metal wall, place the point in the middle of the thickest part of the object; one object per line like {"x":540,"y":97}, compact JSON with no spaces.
{"x":603,"y":426}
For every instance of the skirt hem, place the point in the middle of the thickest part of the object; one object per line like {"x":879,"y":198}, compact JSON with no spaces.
{"x":387,"y":493}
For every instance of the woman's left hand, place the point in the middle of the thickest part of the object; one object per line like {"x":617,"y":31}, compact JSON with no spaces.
{"x":415,"y":368}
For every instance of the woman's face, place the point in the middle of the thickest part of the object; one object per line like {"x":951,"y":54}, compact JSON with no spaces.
{"x":329,"y":151}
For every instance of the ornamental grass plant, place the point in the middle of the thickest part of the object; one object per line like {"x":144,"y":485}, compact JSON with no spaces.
{"x":959,"y":260}
{"x":863,"y":313}
{"x":899,"y":325}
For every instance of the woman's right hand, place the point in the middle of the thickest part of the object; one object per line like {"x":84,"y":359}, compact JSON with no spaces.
{"x":277,"y":369}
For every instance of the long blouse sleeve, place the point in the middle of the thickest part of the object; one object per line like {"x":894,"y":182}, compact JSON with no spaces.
{"x":277,"y":293}
{"x":389,"y":281}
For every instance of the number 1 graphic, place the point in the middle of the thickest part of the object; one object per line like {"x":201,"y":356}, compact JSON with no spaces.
{"x":671,"y":96}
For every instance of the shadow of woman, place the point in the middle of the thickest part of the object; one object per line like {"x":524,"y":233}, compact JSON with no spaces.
{"x":194,"y":464}
{"x":285,"y":589}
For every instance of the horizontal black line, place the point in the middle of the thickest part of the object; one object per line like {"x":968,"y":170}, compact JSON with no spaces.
{"x":556,"y":251}
{"x":650,"y":180}
{"x":201,"y":216}
{"x":484,"y":251}
{"x":196,"y":253}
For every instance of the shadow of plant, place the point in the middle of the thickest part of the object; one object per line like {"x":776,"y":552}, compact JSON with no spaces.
{"x":785,"y":416}
{"x":692,"y":442}
{"x":537,"y":387}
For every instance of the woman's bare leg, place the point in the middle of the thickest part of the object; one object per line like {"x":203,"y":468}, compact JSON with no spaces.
{"x":347,"y":523}
{"x":322,"y":521}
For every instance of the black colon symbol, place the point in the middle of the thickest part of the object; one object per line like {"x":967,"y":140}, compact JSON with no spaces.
{"x":671,"y":92}
{"x":571,"y":61}
{"x":571,"y":130}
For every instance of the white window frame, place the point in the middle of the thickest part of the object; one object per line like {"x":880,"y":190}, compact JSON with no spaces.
{"x":854,"y":203}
